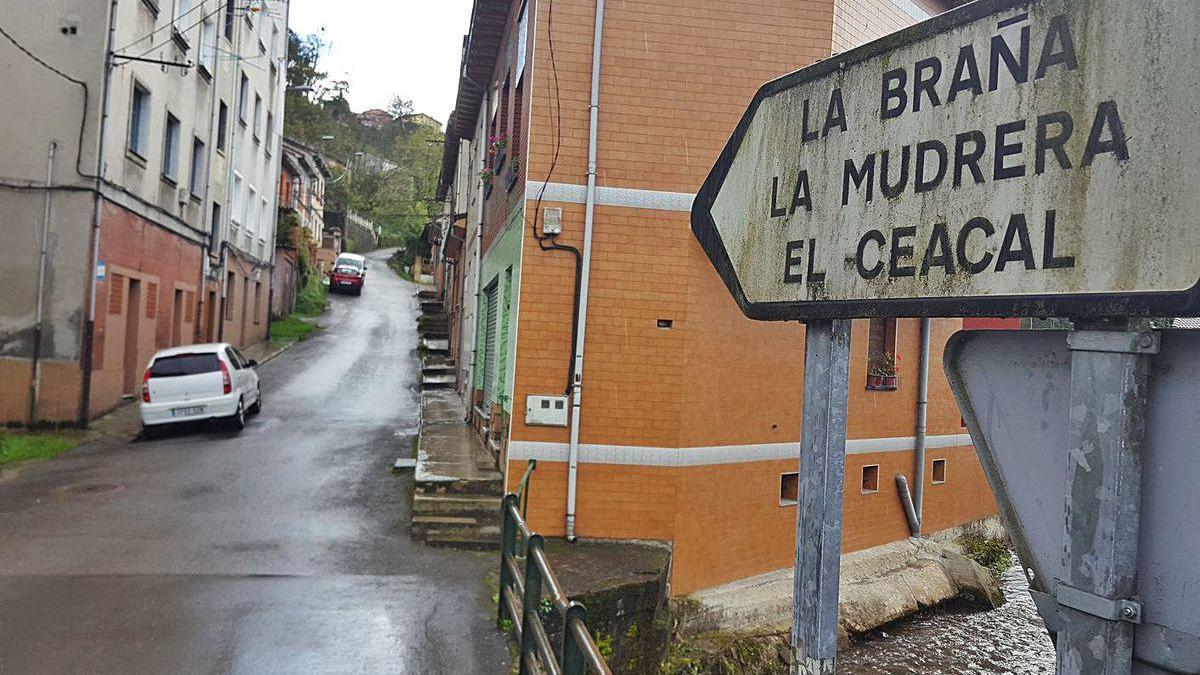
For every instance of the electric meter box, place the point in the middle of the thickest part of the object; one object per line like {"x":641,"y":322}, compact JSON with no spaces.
{"x":552,"y":220}
{"x":547,"y":411}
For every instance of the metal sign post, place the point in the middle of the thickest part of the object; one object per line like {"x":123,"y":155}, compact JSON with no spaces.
{"x":819,"y":496}
{"x":1096,"y":595}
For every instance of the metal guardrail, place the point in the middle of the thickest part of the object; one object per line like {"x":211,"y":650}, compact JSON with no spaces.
{"x":521,"y":603}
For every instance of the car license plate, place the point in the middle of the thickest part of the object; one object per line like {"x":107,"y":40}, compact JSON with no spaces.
{"x":185,"y":412}
{"x":344,"y":283}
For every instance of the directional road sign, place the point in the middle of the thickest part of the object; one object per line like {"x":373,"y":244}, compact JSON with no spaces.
{"x":1009,"y":158}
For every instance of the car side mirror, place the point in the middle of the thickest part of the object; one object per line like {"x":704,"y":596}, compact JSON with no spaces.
{"x":252,"y":363}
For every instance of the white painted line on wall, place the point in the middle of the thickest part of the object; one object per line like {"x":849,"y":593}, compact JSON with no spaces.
{"x":635,"y":455}
{"x":612,"y":196}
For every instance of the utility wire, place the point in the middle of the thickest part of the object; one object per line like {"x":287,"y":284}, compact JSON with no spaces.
{"x":166,"y":25}
{"x":541,"y":241}
{"x":86,"y":95}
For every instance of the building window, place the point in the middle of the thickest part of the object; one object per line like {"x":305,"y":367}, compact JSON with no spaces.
{"x":244,"y":100}
{"x":939,"y":472}
{"x":522,"y":38}
{"x":208,"y":48}
{"x":222,"y":126}
{"x":274,"y":44}
{"x":257,"y":301}
{"x":789,"y":488}
{"x":870,"y":479}
{"x":139,"y":121}
{"x":197,"y":181}
{"x":881,"y":355}
{"x":257,"y":132}
{"x":214,"y":228}
{"x":236,"y":205}
{"x":264,"y":213}
{"x":182,"y":9}
{"x":170,"y":164}
{"x":270,"y":133}
{"x":229,"y":19}
{"x":250,"y":216}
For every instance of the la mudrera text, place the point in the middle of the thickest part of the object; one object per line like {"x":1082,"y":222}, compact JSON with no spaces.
{"x":1012,"y":149}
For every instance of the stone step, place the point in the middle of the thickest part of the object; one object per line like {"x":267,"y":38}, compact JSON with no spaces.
{"x":435,"y":345}
{"x":437,"y":381}
{"x":484,"y":509}
{"x":469,"y":541}
{"x":438,"y":369}
{"x":430,"y":522}
{"x":490,"y":487}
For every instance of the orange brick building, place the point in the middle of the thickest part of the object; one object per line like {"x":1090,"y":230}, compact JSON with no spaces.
{"x":688,"y":417}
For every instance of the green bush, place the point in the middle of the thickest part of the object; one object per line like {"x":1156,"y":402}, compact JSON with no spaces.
{"x":312,"y":298}
{"x":991,"y":552}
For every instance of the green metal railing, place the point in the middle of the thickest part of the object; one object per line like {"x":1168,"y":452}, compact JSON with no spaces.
{"x":521,"y":602}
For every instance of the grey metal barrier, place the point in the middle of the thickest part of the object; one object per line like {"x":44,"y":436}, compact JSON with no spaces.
{"x":522,"y":593}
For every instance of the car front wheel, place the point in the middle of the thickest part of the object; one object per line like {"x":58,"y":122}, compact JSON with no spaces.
{"x":256,"y":407}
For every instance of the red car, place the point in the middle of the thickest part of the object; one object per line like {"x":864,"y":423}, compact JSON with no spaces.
{"x":348,"y":274}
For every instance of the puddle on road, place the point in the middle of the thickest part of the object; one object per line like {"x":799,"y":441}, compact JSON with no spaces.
{"x":1009,"y":639}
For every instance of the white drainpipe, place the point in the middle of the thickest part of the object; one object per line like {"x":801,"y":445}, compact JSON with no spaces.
{"x":577,"y":388}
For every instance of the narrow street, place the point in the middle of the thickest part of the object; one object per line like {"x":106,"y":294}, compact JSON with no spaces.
{"x":280,"y":549}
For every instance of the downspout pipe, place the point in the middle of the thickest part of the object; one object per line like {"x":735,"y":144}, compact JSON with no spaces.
{"x":36,"y":380}
{"x":581,"y":321}
{"x":922,"y":410}
{"x":480,"y":160}
{"x":89,"y":329}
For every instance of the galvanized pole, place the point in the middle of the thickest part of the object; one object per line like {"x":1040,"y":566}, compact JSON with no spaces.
{"x":1110,"y":366}
{"x":819,"y":498}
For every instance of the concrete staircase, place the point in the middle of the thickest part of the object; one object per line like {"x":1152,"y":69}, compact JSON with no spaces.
{"x":437,"y":370}
{"x":457,"y":489}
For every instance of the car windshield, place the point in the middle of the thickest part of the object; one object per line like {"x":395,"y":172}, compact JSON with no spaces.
{"x":185,"y":364}
{"x":346,"y":262}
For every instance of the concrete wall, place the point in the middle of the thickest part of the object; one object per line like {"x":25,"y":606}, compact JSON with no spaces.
{"x":51,"y":110}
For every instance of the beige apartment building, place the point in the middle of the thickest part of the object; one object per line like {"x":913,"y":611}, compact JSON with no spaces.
{"x":137,"y":191}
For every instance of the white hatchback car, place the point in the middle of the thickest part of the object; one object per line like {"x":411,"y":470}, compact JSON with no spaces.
{"x":199,"y":382}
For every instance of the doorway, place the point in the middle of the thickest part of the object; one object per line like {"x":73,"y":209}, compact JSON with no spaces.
{"x":211,"y":321}
{"x":133,"y":306}
{"x":177,"y":319}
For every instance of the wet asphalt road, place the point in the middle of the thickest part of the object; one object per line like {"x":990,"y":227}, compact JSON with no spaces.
{"x":283,"y":549}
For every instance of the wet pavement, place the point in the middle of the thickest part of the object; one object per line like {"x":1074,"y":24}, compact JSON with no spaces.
{"x":282,"y":549}
{"x":1008,"y":639}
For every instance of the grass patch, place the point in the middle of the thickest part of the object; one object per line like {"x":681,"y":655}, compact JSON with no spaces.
{"x":991,"y":552}
{"x":313,"y":298}
{"x":20,"y":446}
{"x":291,"y":328}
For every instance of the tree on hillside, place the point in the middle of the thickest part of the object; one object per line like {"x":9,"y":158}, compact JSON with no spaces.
{"x":399,"y":197}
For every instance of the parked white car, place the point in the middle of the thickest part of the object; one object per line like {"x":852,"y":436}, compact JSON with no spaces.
{"x":199,"y":382}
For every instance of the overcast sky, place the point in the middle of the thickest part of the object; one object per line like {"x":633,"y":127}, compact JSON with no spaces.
{"x":409,"y":48}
